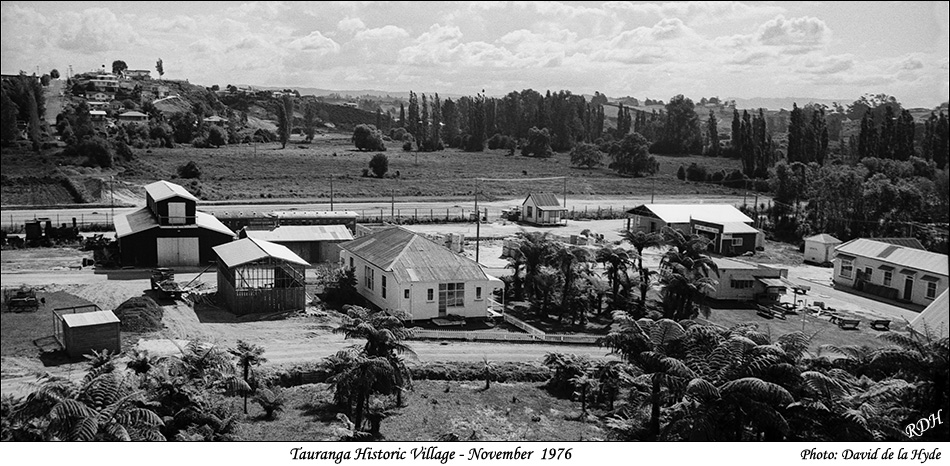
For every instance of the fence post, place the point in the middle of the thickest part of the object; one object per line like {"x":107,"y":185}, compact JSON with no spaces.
{"x":446,"y":214}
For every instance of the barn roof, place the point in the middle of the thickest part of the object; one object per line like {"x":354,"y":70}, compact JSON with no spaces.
{"x":86,"y":319}
{"x":161,"y":190}
{"x":823,"y":238}
{"x":935,"y":318}
{"x":683,"y":213}
{"x":293,"y":233}
{"x":738,"y":228}
{"x":910,"y":257}
{"x":248,"y":250}
{"x":543,"y":200}
{"x":143,"y":219}
{"x":413,"y":258}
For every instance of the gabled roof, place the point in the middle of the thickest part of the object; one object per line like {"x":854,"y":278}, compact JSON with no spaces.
{"x":543,"y":200}
{"x":132,"y":113}
{"x":292,"y":233}
{"x":143,"y":219}
{"x":161,"y":190}
{"x":413,"y":258}
{"x":248,"y":250}
{"x":214,"y":119}
{"x":935,"y":318}
{"x":683,"y":213}
{"x":899,"y":255}
{"x":823,"y":238}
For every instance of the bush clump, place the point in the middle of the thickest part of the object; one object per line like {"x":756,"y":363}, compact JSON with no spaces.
{"x":139,"y":314}
{"x":189,"y":170}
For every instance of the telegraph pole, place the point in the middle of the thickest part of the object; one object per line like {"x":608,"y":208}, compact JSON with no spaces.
{"x":112,"y":193}
{"x":331,"y":192}
{"x":653,"y":188}
{"x":392,"y":204}
{"x":478,"y":222}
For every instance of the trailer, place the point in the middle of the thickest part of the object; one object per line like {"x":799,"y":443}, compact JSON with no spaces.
{"x":163,"y":281}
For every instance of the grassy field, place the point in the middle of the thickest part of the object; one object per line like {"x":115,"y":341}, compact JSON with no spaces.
{"x":303,"y":171}
{"x":505,"y":412}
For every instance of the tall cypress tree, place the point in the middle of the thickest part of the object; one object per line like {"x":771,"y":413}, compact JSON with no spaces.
{"x":796,"y":135}
{"x":712,"y":129}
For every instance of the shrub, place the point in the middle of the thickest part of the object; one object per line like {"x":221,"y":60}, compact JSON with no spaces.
{"x":407,"y":146}
{"x":367,"y":137}
{"x":123,"y":150}
{"x":717,"y":176}
{"x":736,"y":179}
{"x":217,"y":136}
{"x":681,"y":173}
{"x":271,"y":401}
{"x":189,"y":170}
{"x":695,"y":172}
{"x":586,"y":155}
{"x":98,"y":151}
{"x":539,"y":143}
{"x":379,"y":164}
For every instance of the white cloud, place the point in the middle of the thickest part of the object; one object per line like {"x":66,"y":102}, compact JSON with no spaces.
{"x":92,"y":31}
{"x":804,"y":32}
{"x":350,"y":25}
{"x":385,"y":33}
{"x":315,"y":42}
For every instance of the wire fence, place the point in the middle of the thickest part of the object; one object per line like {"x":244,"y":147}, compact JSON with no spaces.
{"x":85,"y":222}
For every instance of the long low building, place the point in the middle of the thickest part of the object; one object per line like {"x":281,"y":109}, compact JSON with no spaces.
{"x":313,"y":243}
{"x":745,"y":281}
{"x":169,"y":231}
{"x":892,"y":271}
{"x":729,"y":230}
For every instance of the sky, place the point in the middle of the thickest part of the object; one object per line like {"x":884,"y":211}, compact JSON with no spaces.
{"x":823,"y":50}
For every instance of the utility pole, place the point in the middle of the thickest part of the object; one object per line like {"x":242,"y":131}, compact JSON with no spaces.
{"x":478,"y":222}
{"x":564,"y":189}
{"x":331,"y":192}
{"x":112,"y":193}
{"x":653,"y":188}
{"x":392,"y":204}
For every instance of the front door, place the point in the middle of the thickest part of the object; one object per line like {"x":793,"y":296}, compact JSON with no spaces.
{"x":908,"y":287}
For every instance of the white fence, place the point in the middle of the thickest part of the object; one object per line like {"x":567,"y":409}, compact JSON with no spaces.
{"x":533,"y":334}
{"x":522,"y":325}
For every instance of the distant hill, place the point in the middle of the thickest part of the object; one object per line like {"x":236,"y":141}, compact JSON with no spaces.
{"x":778,"y":103}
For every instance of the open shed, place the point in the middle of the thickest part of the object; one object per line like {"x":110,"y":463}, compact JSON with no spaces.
{"x":84,"y":329}
{"x":257,"y":276}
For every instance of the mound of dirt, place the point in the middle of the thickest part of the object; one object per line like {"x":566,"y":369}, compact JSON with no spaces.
{"x":139,"y":315}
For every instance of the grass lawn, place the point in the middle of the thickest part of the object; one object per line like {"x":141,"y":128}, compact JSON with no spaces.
{"x":19,"y":329}
{"x":243,"y":171}
{"x":505,"y":412}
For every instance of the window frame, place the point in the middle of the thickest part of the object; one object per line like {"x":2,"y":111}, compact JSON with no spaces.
{"x":847,"y":268}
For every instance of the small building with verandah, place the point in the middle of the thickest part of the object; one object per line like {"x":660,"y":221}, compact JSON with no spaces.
{"x":83,"y":329}
{"x":543,"y":209}
{"x":256,"y":276}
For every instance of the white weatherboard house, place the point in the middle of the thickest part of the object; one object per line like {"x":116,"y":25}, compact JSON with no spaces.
{"x":543,"y":209}
{"x":820,"y":249}
{"x":892,"y":271}
{"x":745,"y":281}
{"x":653,"y":217}
{"x":402,"y":272}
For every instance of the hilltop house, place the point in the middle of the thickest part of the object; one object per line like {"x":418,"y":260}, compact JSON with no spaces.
{"x":404,"y":273}
{"x":132,"y":117}
{"x":542,"y":209}
{"x":894,"y":271}
{"x":168,"y":230}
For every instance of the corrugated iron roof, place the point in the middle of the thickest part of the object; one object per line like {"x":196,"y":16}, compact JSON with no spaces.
{"x":134,"y":222}
{"x":935,"y":318}
{"x":683,"y":213}
{"x":248,"y":250}
{"x":732,"y":264}
{"x":210,"y":222}
{"x":906,"y":242}
{"x":898,"y":255}
{"x":132,"y":113}
{"x":86,"y":319}
{"x":143,"y":219}
{"x":543,"y":200}
{"x":738,"y":228}
{"x":823,"y":238}
{"x":413,"y":258}
{"x":162,"y":189}
{"x":292,"y":233}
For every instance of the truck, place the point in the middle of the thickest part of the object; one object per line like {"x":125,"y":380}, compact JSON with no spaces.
{"x":163,"y":282}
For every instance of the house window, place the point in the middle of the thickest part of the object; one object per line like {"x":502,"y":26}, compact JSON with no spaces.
{"x":887,"y":278}
{"x":351,"y":262}
{"x":430,"y":295}
{"x":384,"y":286}
{"x":867,"y":273}
{"x":737,"y":241}
{"x":405,"y":294}
{"x":741,"y":284}
{"x":478,"y":293}
{"x":451,"y":295}
{"x":530,"y":212}
{"x":847,"y":267}
{"x":368,"y":277}
{"x":931,"y":290}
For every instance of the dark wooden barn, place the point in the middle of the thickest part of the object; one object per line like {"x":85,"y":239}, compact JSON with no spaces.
{"x":169,"y":231}
{"x":256,"y":276}
{"x":84,"y":329}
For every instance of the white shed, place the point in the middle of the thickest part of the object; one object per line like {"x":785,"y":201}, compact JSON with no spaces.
{"x":820,"y":249}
